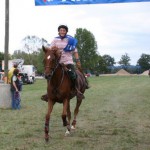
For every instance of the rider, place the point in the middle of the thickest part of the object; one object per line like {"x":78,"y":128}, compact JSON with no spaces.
{"x":67,"y":46}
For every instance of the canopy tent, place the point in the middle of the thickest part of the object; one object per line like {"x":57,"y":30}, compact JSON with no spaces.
{"x":79,"y":2}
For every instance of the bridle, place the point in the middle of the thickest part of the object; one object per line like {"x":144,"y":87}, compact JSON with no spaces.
{"x":53,"y":71}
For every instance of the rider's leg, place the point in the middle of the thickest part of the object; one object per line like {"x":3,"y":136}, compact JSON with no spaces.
{"x":73,"y":76}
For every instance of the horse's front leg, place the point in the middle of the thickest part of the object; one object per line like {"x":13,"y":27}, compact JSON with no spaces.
{"x":47,"y":119}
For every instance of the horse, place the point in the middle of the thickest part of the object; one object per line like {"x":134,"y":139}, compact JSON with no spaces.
{"x":59,"y":89}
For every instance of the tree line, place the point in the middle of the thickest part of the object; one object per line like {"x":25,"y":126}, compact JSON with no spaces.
{"x":92,"y":62}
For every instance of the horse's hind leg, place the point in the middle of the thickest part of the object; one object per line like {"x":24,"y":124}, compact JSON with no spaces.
{"x":47,"y":119}
{"x":76,"y":111}
{"x":69,"y":119}
{"x":65,"y":115}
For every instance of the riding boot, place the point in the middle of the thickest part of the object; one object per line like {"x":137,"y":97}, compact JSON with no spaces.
{"x":73,"y":76}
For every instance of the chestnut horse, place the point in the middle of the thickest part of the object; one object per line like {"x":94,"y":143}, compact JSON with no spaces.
{"x":59,"y":89}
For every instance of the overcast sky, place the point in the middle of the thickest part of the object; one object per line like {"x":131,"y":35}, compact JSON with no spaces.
{"x":118,"y":28}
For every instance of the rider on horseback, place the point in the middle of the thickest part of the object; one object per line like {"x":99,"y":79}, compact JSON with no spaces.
{"x":67,"y":45}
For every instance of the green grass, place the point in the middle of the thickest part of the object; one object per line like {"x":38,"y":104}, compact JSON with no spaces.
{"x":115,"y":115}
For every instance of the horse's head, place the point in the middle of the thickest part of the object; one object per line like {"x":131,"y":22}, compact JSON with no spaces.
{"x":51,"y":60}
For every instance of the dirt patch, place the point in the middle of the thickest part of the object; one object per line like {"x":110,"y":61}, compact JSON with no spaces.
{"x":123,"y":72}
{"x":145,"y":72}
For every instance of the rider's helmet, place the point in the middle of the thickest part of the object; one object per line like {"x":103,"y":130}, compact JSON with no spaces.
{"x":64,"y":27}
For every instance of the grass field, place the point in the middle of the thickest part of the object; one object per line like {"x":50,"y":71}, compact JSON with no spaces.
{"x":115,"y":115}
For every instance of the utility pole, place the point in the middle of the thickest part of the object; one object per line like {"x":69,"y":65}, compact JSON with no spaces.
{"x":6,"y":38}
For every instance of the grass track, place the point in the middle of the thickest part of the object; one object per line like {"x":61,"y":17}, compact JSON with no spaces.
{"x":114,"y":116}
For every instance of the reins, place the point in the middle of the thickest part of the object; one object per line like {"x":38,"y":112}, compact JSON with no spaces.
{"x":53,"y":71}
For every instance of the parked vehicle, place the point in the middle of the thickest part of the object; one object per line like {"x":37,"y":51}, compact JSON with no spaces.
{"x":30,"y":71}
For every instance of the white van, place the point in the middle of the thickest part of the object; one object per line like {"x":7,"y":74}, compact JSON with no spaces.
{"x":30,"y":71}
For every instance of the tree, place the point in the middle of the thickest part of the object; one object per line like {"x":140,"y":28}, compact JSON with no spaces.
{"x":110,"y":61}
{"x":31,"y":44}
{"x":40,"y":65}
{"x":144,"y":62}
{"x":87,"y":49}
{"x":18,"y":54}
{"x":101,"y":65}
{"x":35,"y":58}
{"x":124,"y":60}
{"x":1,"y":56}
{"x":31,"y":52}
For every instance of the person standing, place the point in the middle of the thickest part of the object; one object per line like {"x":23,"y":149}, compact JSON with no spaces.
{"x":16,"y":86}
{"x":10,"y":72}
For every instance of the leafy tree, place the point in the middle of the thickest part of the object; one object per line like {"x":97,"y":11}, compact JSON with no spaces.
{"x":29,"y":59}
{"x":18,"y":54}
{"x":101,"y":65}
{"x":35,"y":58}
{"x":87,"y":48}
{"x":124,"y":60}
{"x":144,"y":62}
{"x":31,"y":52}
{"x":1,"y":56}
{"x":40,"y":66}
{"x":110,"y":61}
{"x":31,"y":44}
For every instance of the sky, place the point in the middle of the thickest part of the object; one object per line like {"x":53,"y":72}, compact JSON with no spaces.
{"x":118,"y":28}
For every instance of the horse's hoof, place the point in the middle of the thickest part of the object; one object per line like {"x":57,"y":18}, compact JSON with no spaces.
{"x":64,"y":124}
{"x":67,"y":133}
{"x":73,"y":128}
{"x":46,"y":138}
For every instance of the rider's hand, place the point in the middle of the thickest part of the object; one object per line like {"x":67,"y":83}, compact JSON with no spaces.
{"x":78,"y":65}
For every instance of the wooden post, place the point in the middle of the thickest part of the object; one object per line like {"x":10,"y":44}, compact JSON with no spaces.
{"x":6,"y":39}
{"x":5,"y":93}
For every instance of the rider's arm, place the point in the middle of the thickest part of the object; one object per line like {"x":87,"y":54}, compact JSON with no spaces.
{"x":76,"y":55}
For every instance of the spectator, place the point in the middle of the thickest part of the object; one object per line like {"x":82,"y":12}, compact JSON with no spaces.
{"x":16,"y":86}
{"x":10,"y":73}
